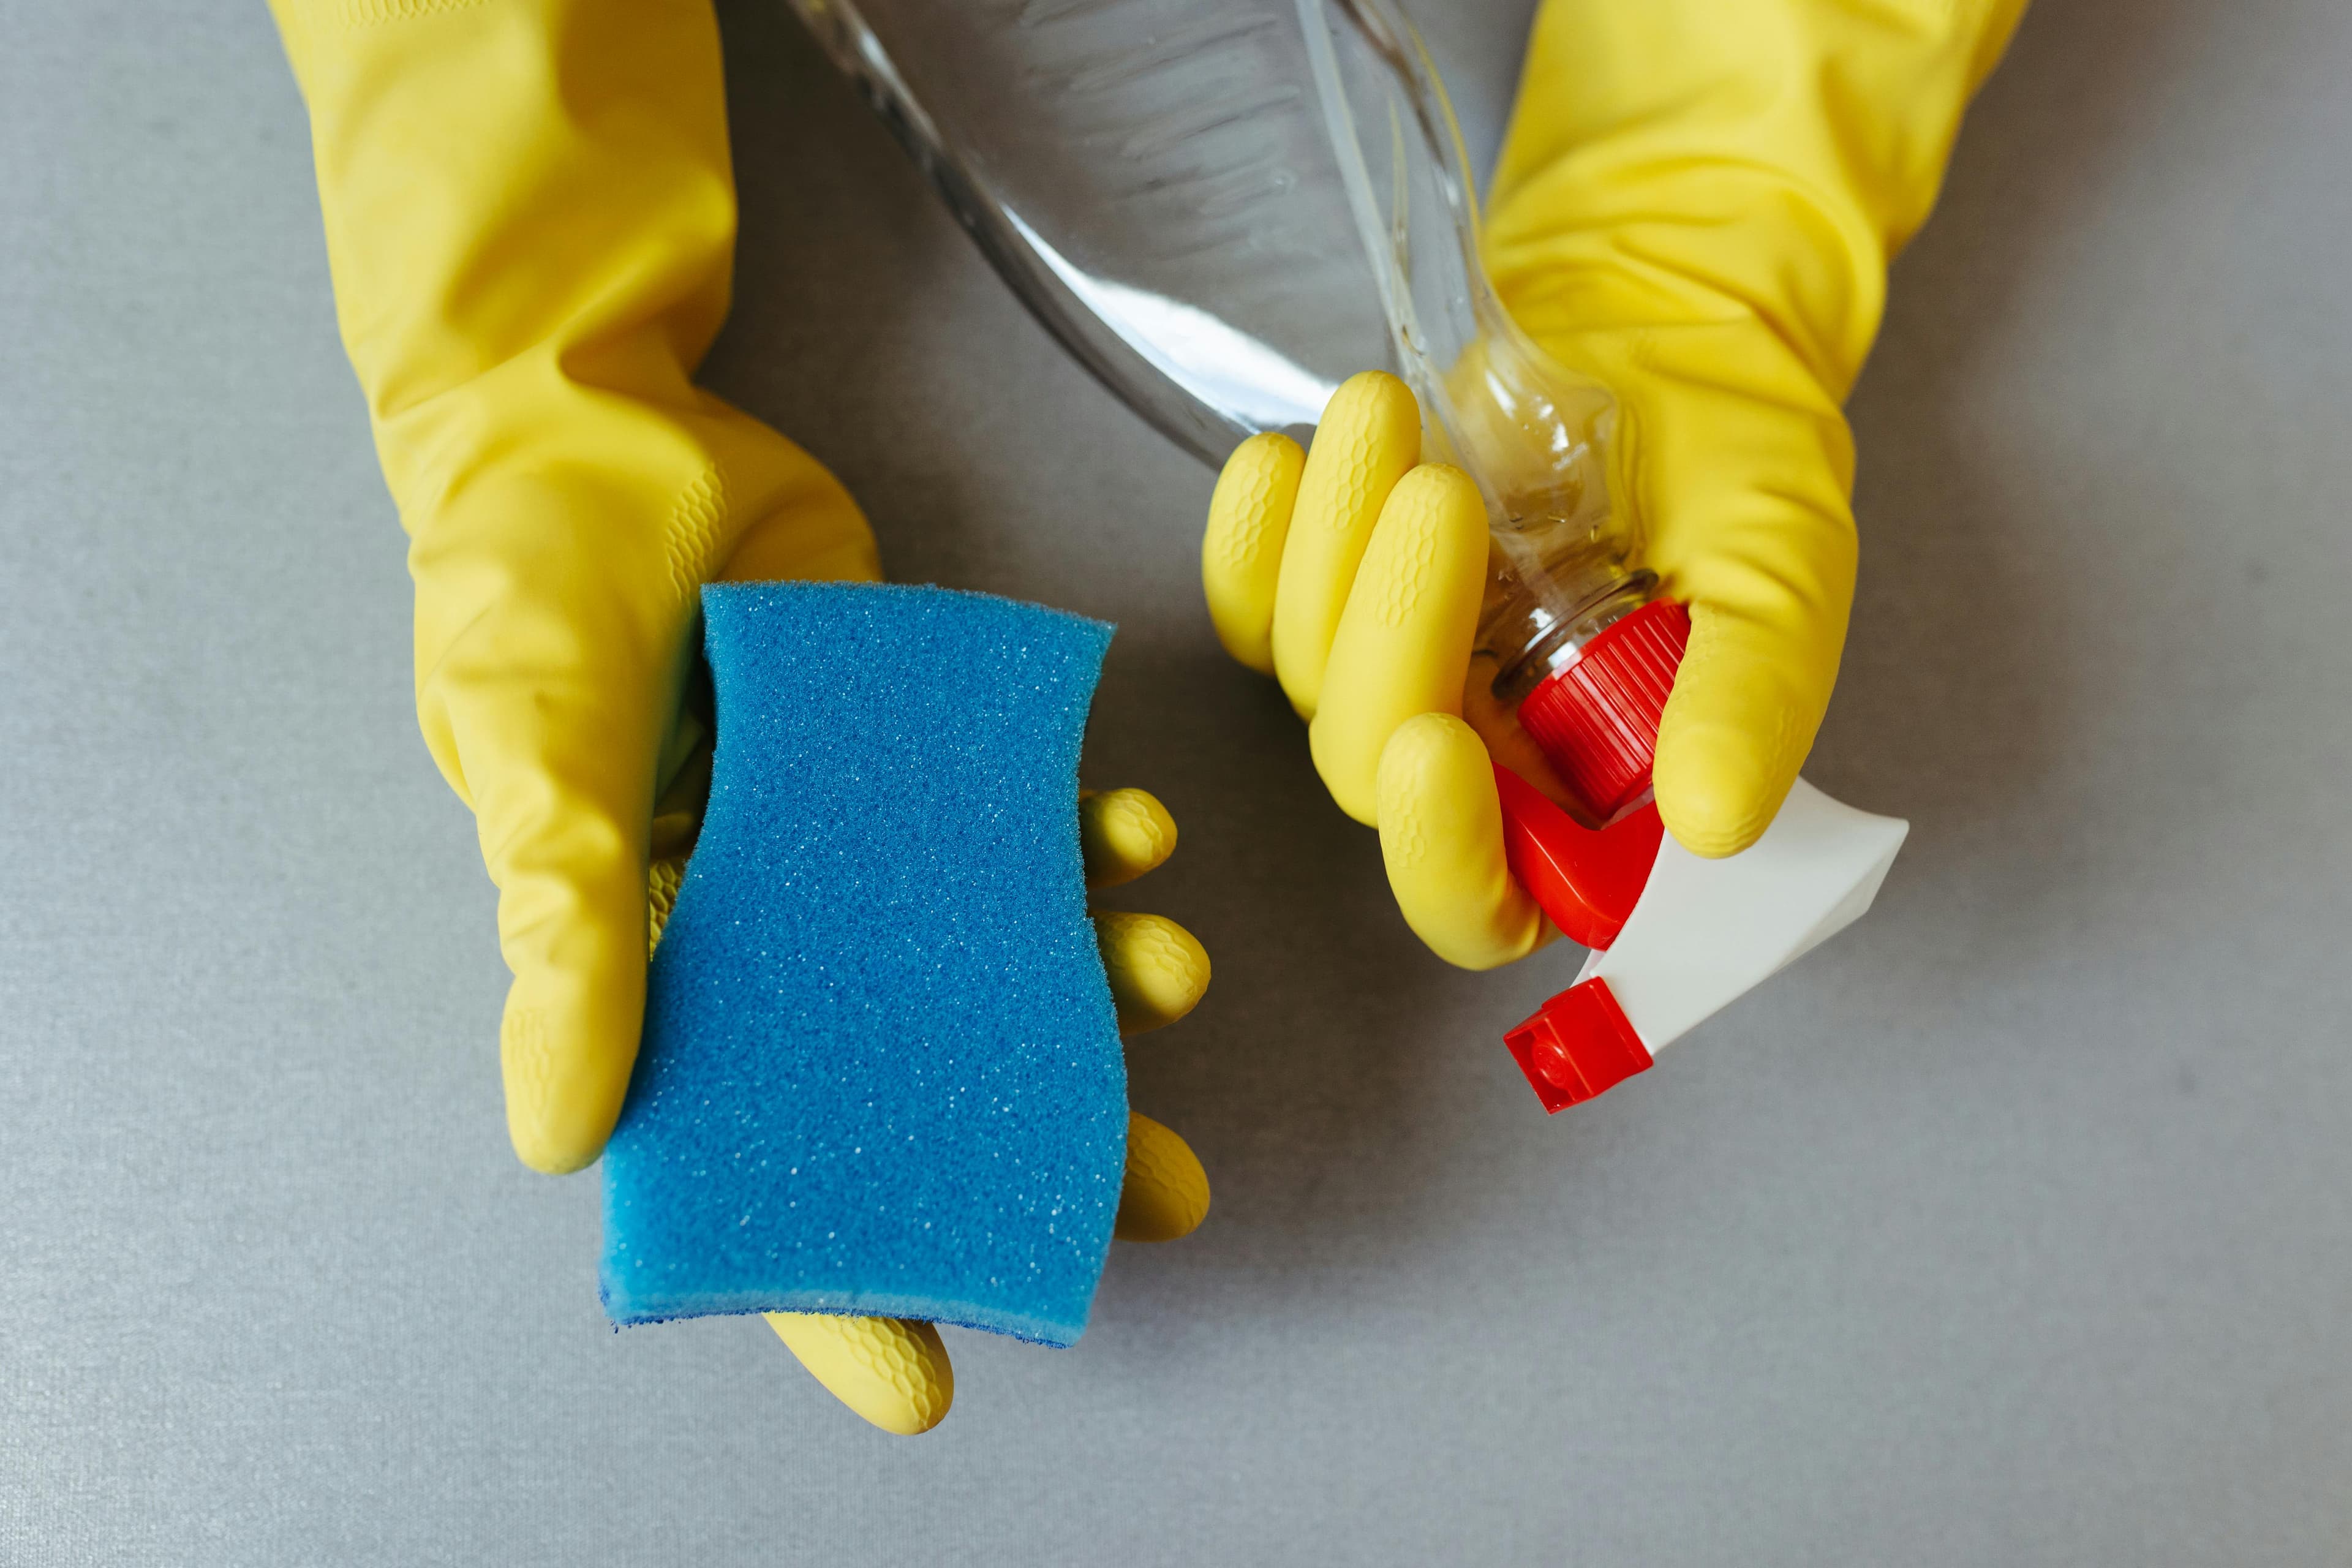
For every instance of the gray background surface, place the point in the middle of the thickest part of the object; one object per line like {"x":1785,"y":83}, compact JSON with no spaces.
{"x":2011,"y":1228}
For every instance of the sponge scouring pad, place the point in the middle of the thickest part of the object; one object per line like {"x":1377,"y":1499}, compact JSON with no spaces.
{"x":881,"y":1071}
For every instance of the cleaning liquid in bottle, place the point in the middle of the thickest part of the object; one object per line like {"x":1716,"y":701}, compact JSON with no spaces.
{"x":1223,"y":209}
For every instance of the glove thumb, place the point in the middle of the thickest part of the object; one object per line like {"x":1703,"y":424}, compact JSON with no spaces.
{"x":1741,"y":468}
{"x":547,"y":712}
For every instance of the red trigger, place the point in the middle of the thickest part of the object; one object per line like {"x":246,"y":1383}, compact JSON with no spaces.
{"x":1587,"y":880}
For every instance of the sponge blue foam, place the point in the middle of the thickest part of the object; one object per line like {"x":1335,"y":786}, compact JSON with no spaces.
{"x":881,"y":1071}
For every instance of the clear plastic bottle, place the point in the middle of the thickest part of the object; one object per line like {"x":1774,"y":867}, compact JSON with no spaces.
{"x":1223,"y":209}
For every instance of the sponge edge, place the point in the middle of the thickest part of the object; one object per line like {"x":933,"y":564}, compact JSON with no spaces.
{"x":881,"y":1071}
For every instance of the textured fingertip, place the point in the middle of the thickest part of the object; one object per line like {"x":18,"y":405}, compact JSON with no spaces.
{"x":1241,"y":551}
{"x":562,"y":1097}
{"x":1369,"y":438}
{"x":1746,"y":704}
{"x":1165,"y":1193}
{"x":1718,"y":785}
{"x":894,"y":1372}
{"x":1158,"y":970}
{"x":1374,"y":405}
{"x":1122,"y":833}
{"x":663,"y":878}
{"x":1404,"y":642}
{"x":1441,"y":839}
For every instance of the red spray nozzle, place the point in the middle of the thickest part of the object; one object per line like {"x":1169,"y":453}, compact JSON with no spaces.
{"x":1576,"y":1045}
{"x":1597,"y":722}
{"x":1587,"y":880}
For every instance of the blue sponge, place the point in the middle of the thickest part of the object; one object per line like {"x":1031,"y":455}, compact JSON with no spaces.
{"x":881,"y":1071}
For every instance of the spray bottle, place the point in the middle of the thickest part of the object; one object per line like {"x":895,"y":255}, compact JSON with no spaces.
{"x":1223,"y":209}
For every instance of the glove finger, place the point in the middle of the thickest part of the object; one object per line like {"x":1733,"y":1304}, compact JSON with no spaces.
{"x":1122,"y":833}
{"x":1744,"y":471}
{"x":663,"y":881}
{"x":1442,"y":835}
{"x":1165,"y":1193}
{"x":1241,"y":551}
{"x":1369,"y":436}
{"x":1158,"y":970}
{"x":1404,"y":643}
{"x":1747,"y":704}
{"x":548,"y":712}
{"x":894,"y":1372}
{"x":573,"y":926}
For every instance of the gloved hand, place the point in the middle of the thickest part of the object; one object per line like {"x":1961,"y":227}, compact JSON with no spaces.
{"x":1695,"y":207}
{"x":530,"y":216}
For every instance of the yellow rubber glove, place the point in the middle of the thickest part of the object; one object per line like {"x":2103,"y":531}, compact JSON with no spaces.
{"x":1353,"y":575}
{"x":530,"y":215}
{"x":1695,"y":207}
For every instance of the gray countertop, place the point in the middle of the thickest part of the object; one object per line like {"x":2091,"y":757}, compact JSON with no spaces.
{"x":2010,"y":1227}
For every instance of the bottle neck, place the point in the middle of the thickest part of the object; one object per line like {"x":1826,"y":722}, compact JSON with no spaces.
{"x":1535,"y":632}
{"x":1566,"y":564}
